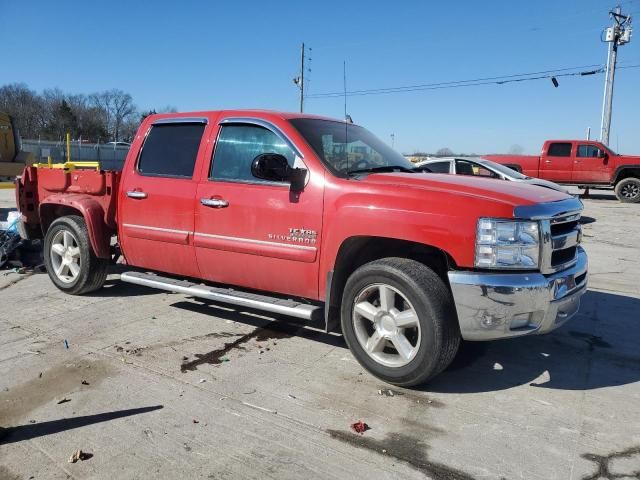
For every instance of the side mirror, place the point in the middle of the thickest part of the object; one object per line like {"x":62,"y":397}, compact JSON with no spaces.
{"x":602,"y":154}
{"x":274,"y":167}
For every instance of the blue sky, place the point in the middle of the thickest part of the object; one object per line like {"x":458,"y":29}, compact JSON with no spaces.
{"x":243,"y":54}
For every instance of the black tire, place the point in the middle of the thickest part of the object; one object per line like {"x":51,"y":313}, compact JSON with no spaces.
{"x":424,"y":289}
{"x":628,"y":190}
{"x":92,"y":271}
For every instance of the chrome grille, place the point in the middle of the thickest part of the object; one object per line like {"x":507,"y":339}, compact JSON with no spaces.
{"x":560,"y":238}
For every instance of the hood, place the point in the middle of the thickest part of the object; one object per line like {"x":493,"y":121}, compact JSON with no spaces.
{"x":632,"y":159}
{"x":544,"y":183}
{"x":511,"y":193}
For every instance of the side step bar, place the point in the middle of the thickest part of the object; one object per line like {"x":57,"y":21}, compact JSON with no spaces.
{"x":225,"y":295}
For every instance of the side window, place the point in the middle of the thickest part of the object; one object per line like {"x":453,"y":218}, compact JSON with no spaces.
{"x":170,"y":150}
{"x":559,"y":150}
{"x":439,"y":167}
{"x":590,"y":151}
{"x":238,"y":145}
{"x":464,"y":167}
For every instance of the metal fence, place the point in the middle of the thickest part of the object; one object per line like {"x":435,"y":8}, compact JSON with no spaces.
{"x":111,"y":157}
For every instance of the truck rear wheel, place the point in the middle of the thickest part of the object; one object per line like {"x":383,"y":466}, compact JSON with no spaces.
{"x":628,"y":190}
{"x":399,"y":321}
{"x":71,"y":263}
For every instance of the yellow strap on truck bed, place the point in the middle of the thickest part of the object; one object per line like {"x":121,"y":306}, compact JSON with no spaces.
{"x":68,"y":166}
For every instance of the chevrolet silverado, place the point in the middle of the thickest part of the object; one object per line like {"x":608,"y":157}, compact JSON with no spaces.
{"x":317,"y":219}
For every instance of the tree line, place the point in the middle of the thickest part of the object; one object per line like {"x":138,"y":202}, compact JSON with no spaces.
{"x":105,"y":116}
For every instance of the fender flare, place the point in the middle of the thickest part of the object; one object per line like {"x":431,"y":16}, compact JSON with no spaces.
{"x":91,"y":211}
{"x":620,"y":170}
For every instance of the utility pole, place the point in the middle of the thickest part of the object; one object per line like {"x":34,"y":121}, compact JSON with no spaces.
{"x":299,"y":80}
{"x":618,"y":34}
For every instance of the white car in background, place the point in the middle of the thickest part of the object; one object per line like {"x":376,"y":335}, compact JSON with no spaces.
{"x":481,"y":167}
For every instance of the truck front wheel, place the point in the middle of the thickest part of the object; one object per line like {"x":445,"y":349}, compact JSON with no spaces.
{"x":71,"y":263}
{"x":399,"y":321}
{"x":628,"y":190}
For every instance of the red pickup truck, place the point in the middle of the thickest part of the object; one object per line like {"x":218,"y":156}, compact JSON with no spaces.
{"x":317,"y":219}
{"x":587,"y":164}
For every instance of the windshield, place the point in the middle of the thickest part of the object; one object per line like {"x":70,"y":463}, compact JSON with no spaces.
{"x":509,"y":172}
{"x":346,"y":148}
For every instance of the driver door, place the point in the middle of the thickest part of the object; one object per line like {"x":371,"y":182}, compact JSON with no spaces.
{"x":254,"y":233}
{"x":591,"y":165}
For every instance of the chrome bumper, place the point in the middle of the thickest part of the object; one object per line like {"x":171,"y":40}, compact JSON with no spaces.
{"x":502,"y":305}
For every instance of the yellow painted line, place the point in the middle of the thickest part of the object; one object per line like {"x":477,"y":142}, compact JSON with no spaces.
{"x":7,"y":185}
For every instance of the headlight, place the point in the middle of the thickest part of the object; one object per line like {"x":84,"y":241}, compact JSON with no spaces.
{"x":507,"y":244}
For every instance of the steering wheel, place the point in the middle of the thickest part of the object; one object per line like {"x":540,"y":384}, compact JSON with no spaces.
{"x":360,"y":165}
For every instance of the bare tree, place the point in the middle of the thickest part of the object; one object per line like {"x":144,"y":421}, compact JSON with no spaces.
{"x":25,"y":106}
{"x":104,"y":115}
{"x":117,"y":107}
{"x":123,"y":110}
{"x":516,"y":149}
{"x":444,"y":152}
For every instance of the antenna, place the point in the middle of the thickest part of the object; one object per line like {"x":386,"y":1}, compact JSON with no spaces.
{"x":346,"y":126}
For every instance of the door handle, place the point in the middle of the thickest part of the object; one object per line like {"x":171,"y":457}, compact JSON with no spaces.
{"x":214,"y":202}
{"x":547,"y":161}
{"x":136,"y":194}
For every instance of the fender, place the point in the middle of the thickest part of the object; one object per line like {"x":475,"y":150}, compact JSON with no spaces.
{"x":621,"y":168}
{"x":437,"y":211}
{"x":91,"y":211}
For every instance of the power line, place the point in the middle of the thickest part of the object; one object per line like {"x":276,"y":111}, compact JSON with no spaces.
{"x":501,"y":79}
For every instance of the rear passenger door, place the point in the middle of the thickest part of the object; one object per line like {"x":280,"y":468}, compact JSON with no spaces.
{"x":556,"y":164}
{"x":156,"y":203}
{"x":251,"y":232}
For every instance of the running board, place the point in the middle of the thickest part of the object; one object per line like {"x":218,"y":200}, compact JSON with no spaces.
{"x":226,"y":295}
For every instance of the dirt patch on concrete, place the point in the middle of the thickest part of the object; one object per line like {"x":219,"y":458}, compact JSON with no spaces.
{"x":622,"y":464}
{"x":272,"y":331}
{"x":593,"y":341}
{"x":49,"y":385}
{"x":409,"y":396}
{"x":404,"y":448}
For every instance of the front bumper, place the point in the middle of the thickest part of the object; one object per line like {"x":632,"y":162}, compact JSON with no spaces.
{"x":501,"y":305}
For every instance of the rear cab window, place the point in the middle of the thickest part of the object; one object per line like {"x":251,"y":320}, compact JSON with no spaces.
{"x":170,"y":150}
{"x":559,"y":149}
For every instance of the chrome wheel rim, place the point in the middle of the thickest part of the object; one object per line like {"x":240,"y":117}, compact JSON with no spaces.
{"x":386,"y":325}
{"x":631,"y":190}
{"x":65,"y":256}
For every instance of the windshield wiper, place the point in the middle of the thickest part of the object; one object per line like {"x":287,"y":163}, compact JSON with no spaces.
{"x":386,"y":168}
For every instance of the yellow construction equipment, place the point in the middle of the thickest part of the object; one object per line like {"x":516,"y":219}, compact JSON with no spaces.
{"x":12,"y":158}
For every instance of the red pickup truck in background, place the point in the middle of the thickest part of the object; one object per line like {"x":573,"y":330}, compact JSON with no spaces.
{"x":316,"y":219}
{"x":587,"y":164}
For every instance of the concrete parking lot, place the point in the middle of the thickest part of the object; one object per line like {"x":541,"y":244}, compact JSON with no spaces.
{"x":157,"y":385}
